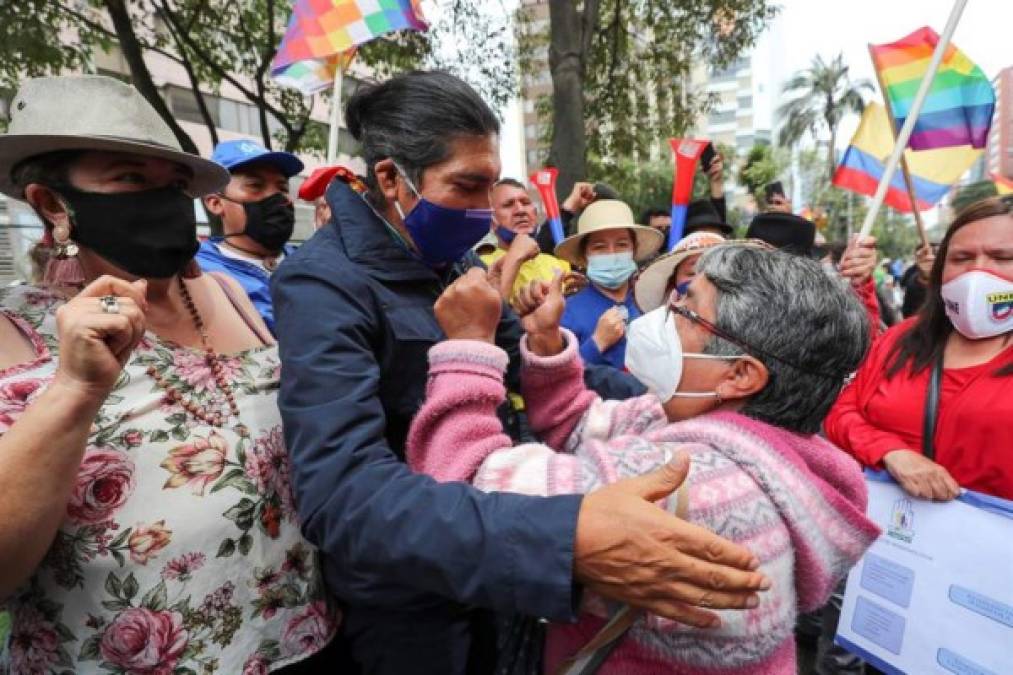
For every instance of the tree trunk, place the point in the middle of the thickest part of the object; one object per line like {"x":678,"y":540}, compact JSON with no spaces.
{"x":568,"y":152}
{"x":832,"y":153}
{"x":265,"y":129}
{"x":139,"y":73}
{"x":202,"y":105}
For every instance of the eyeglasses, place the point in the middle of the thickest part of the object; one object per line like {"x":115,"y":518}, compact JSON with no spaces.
{"x":753,"y":351}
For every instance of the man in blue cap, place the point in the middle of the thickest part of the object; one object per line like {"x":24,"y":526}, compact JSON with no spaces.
{"x":257,"y":218}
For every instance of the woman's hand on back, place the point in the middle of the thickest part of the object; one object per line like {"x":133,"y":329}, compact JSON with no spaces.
{"x":920,"y":477}
{"x":94,"y":344}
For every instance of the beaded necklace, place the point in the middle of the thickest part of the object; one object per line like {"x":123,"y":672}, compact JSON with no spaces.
{"x":209,"y":414}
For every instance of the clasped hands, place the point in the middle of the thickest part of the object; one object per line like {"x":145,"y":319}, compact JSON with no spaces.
{"x":626,"y":548}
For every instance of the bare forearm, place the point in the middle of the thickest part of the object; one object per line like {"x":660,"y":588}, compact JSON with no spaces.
{"x":40,"y":455}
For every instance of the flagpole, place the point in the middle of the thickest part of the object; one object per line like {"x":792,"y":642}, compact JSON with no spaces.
{"x":909,"y":123}
{"x":332,"y":139}
{"x":908,"y":183}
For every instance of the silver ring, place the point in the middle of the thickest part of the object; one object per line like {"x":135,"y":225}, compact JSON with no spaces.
{"x":110,"y":304}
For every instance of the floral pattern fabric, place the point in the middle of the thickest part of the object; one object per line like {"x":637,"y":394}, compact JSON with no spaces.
{"x":180,"y":552}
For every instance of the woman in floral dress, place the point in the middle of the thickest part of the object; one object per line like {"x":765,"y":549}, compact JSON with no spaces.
{"x":179,"y":550}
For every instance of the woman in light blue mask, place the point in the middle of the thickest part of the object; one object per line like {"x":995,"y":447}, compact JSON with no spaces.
{"x":608,"y":245}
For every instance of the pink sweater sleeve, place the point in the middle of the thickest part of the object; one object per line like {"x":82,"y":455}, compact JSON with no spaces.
{"x":456,"y":435}
{"x":558,"y":402}
{"x":457,"y":426}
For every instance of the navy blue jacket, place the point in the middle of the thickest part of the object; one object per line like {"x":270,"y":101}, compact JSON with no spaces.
{"x":355,"y":320}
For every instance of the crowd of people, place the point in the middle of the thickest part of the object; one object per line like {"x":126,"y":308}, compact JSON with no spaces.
{"x":432,"y":440}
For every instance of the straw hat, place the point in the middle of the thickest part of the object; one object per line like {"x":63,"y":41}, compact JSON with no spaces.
{"x":609,"y":214}
{"x":92,"y":112}
{"x":649,"y":291}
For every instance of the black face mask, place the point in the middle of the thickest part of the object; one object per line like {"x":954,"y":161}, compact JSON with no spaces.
{"x":150,"y":234}
{"x":269,"y":222}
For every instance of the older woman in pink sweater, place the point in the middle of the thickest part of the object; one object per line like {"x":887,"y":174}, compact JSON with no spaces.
{"x":741,"y":371}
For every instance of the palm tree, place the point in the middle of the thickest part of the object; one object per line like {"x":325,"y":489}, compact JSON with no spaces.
{"x":820,"y":96}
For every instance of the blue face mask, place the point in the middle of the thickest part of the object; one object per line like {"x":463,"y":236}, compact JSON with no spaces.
{"x":506,"y":235}
{"x":443,"y":235}
{"x":611,"y":270}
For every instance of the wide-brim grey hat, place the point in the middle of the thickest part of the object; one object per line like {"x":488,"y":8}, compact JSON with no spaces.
{"x":93,"y":112}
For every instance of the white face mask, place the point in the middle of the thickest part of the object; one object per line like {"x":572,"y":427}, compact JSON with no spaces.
{"x":979,"y":304}
{"x":654,"y":355}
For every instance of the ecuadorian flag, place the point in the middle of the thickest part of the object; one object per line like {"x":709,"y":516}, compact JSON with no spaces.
{"x":933,"y":172}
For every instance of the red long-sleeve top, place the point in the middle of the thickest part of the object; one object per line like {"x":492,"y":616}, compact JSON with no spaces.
{"x":974,"y":434}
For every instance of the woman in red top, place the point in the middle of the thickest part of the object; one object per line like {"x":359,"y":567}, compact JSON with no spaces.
{"x":967,"y":321}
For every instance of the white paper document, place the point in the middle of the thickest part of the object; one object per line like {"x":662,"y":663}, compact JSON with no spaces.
{"x":934,"y":594}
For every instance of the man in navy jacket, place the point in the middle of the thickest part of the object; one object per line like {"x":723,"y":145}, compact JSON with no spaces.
{"x":408,"y":557}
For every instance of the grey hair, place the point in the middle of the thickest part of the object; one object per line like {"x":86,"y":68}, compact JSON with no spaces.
{"x":412,"y":118}
{"x":788,"y":307}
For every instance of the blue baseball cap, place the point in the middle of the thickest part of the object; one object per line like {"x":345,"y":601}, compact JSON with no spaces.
{"x":234,"y":154}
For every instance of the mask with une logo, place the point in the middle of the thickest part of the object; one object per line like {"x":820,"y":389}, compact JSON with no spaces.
{"x":979,"y":304}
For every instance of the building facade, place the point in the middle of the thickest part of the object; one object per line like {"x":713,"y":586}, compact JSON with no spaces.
{"x":742,"y":95}
{"x":999,"y":151}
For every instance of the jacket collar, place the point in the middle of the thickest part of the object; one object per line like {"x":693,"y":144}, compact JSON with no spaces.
{"x":367,"y":242}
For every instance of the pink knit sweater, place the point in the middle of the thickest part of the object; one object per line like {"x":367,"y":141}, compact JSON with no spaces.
{"x":795,"y":501}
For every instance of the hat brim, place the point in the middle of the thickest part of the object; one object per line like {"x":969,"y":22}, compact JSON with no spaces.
{"x":649,"y":242}
{"x":649,"y":291}
{"x":286,"y":162}
{"x":208,"y":176}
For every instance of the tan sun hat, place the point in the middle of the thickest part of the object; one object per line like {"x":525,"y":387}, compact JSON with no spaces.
{"x":609,"y":214}
{"x":649,"y":291}
{"x":93,"y":112}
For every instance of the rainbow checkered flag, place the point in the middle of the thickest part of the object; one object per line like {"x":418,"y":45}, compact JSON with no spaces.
{"x":320,"y":31}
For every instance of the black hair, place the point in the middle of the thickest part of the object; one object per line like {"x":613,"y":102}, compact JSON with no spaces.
{"x":652,"y":212}
{"x":585,"y":240}
{"x":605,"y":191}
{"x":50,"y":169}
{"x":925,"y":341}
{"x":412,"y":118}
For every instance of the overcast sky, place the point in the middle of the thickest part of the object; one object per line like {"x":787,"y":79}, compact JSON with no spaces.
{"x":805,"y":28}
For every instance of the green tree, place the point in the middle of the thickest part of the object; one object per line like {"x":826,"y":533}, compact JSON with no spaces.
{"x":762,"y":165}
{"x":972,"y":192}
{"x":620,"y":71}
{"x":820,"y":97}
{"x":219,"y":42}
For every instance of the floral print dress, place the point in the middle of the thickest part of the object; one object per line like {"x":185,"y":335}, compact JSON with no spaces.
{"x":180,"y":552}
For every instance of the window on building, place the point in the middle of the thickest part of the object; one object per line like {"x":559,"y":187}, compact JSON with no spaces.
{"x":721,"y":117}
{"x":347,"y":145}
{"x":745,"y":102}
{"x":228,"y":112}
{"x":183,"y":105}
{"x":729,"y":72}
